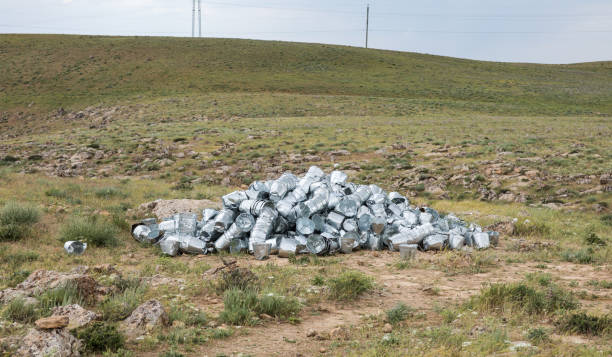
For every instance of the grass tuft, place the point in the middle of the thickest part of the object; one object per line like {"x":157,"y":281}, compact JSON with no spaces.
{"x":349,"y":285}
{"x":101,"y":336}
{"x":239,"y":278}
{"x":19,"y":310}
{"x":120,"y":305}
{"x":587,"y":324}
{"x":398,"y":313}
{"x":60,"y":296}
{"x":526,"y":298}
{"x":16,"y":221}
{"x":238,"y":306}
{"x":278,"y":306}
{"x":538,"y":335}
{"x":93,"y":230}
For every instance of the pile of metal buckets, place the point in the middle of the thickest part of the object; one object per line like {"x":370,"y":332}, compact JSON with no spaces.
{"x":318,"y":214}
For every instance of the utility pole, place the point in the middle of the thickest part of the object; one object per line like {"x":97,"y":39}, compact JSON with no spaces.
{"x":367,"y":24}
{"x":199,"y":18}
{"x":193,"y":19}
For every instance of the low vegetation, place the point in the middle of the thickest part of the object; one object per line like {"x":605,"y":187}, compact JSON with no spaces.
{"x":93,"y":229}
{"x":398,"y":313}
{"x":101,"y":337}
{"x":525,"y":297}
{"x":120,"y":305}
{"x":16,"y":221}
{"x":349,"y":285}
{"x":241,"y":306}
{"x":21,"y":311}
{"x":586,"y":324}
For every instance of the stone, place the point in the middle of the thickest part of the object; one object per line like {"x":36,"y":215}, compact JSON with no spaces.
{"x":52,"y":322}
{"x":57,"y":343}
{"x":388,"y":328}
{"x":43,"y":280}
{"x":78,"y":316}
{"x":145,"y":318}
{"x":311,"y":333}
{"x":166,"y":208}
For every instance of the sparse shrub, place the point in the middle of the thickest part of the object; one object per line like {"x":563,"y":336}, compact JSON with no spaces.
{"x":349,"y":285}
{"x":278,"y":306}
{"x":18,"y":277}
{"x":171,"y":354}
{"x":62,"y":295}
{"x":120,"y":353}
{"x":587,"y":324}
{"x":419,"y":187}
{"x":238,"y":278}
{"x":318,"y":280}
{"x":528,"y":228}
{"x":537,"y":335}
{"x":238,"y":306}
{"x":19,"y":310}
{"x":522,"y":297}
{"x":119,"y":306}
{"x":189,"y":317}
{"x":607,"y":219}
{"x":100,"y":336}
{"x":122,"y":284}
{"x":120,"y":222}
{"x":593,"y":239}
{"x":18,"y":258}
{"x":191,"y":336}
{"x":16,"y":221}
{"x":108,"y":192}
{"x":92,"y":230}
{"x":582,"y":256}
{"x":56,"y":192}
{"x":398,"y":313}
{"x":220,"y":333}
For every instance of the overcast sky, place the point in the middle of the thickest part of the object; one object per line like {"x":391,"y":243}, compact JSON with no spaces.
{"x":546,"y":31}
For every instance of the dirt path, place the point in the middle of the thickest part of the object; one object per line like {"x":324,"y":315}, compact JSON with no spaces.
{"x":419,"y":288}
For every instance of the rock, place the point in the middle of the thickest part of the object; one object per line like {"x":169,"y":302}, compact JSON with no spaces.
{"x":311,"y":333}
{"x":508,"y":196}
{"x":387,"y":328}
{"x":265,"y":317}
{"x":322,"y":350}
{"x":338,"y":333}
{"x":42,"y":280}
{"x":78,"y":316}
{"x":144,"y":318}
{"x":57,"y":343}
{"x":166,"y":208}
{"x":105,"y":269}
{"x":518,"y":345}
{"x":52,"y":322}
{"x":504,"y":227}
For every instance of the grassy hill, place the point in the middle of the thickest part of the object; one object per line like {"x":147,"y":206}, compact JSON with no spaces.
{"x":48,"y":71}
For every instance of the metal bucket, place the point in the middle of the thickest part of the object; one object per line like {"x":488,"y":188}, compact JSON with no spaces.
{"x":347,"y":244}
{"x":408,"y":251}
{"x":316,"y":244}
{"x":261,"y":251}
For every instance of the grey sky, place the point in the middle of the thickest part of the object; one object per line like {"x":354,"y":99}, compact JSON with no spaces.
{"x":548,"y":31}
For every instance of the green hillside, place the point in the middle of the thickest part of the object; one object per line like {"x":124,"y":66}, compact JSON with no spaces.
{"x":48,"y":71}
